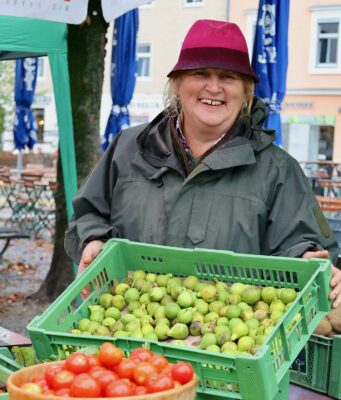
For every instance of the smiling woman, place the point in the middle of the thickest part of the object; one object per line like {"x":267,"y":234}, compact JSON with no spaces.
{"x":204,"y":172}
{"x":211,"y":101}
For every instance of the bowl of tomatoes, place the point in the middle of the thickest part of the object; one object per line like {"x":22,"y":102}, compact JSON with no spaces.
{"x":143,"y":375}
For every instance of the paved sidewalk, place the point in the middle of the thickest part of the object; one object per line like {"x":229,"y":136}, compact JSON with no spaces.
{"x":22,"y":271}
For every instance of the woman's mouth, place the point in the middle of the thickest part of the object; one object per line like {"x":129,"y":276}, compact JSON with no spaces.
{"x":212,"y":102}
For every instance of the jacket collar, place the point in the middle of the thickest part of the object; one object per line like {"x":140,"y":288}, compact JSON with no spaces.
{"x":156,"y":146}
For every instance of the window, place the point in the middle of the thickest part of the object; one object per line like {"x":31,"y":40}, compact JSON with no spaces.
{"x":325,"y":46}
{"x":327,"y":43}
{"x":41,"y":68}
{"x":192,"y":3}
{"x":143,"y":60}
{"x":146,"y":5}
{"x":39,"y":113}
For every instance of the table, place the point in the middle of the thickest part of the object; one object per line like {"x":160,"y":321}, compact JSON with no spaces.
{"x":330,"y":168}
{"x":324,"y":177}
{"x":9,"y":338}
{"x":329,"y":204}
{"x":29,"y":200}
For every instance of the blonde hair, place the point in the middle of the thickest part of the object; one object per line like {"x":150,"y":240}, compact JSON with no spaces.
{"x":173,"y":105}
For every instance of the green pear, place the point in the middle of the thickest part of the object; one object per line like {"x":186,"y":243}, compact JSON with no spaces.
{"x":178,"y":331}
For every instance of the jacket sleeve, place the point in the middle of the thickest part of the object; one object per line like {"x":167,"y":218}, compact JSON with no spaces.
{"x":296,"y":223}
{"x":92,"y":205}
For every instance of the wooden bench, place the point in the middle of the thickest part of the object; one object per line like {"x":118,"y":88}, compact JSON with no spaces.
{"x":9,"y":234}
{"x":330,"y":204}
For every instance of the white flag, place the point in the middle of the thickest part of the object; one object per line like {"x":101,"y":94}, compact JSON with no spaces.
{"x":68,"y":11}
{"x":113,"y":9}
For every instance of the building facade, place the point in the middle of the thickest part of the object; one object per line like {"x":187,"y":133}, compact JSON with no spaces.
{"x":311,"y":115}
{"x":311,"y":110}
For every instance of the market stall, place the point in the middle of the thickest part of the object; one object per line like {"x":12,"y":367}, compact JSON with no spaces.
{"x":23,"y":37}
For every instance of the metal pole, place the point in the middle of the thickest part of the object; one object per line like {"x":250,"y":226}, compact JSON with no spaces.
{"x":19,"y":164}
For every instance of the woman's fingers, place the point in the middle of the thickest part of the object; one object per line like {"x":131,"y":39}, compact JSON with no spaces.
{"x":90,"y":252}
{"x":316,"y":254}
{"x":335,"y":294}
{"x":335,"y":283}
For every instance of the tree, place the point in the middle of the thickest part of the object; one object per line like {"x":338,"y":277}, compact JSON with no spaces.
{"x":86,"y":52}
{"x":6,"y":96}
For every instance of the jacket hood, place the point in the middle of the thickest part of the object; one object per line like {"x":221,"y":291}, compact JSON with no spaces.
{"x":259,"y":113}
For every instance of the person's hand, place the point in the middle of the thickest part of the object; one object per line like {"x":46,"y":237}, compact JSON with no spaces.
{"x":90,"y":252}
{"x":335,"y":283}
{"x":316,"y":254}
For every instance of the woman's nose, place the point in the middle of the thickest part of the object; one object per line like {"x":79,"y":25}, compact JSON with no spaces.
{"x":213,"y":84}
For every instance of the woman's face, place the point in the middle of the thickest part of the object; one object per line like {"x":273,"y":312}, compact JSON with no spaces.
{"x":211,"y":99}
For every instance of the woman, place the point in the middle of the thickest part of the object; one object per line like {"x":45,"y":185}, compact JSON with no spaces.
{"x":204,"y":173}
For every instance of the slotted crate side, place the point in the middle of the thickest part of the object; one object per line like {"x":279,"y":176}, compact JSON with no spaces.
{"x":334,"y":388}
{"x":7,"y":367}
{"x":307,"y":369}
{"x":203,"y":263}
{"x":118,"y":257}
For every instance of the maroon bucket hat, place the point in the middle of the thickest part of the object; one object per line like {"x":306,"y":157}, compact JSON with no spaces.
{"x":215,"y":44}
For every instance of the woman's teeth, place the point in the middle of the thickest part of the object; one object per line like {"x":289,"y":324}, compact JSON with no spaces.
{"x":212,"y":102}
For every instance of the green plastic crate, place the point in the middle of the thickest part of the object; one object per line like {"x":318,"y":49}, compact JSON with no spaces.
{"x":7,"y":367}
{"x":307,"y":371}
{"x":334,"y":388}
{"x":257,"y":377}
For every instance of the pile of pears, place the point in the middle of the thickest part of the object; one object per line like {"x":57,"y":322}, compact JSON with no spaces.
{"x":211,"y":315}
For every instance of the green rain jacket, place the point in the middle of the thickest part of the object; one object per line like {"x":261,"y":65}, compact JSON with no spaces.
{"x":248,"y":196}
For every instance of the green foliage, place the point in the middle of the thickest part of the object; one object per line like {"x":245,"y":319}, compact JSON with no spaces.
{"x":24,"y":355}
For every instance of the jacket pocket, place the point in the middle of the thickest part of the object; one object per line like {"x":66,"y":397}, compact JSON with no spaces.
{"x":200,"y":216}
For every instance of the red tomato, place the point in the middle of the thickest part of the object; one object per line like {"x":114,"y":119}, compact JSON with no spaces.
{"x":182,"y":372}
{"x":41,"y":382}
{"x":2,"y":391}
{"x":109,"y":355}
{"x":105,"y":378}
{"x":159,"y":362}
{"x":125,"y":368}
{"x":77,"y":363}
{"x":85,"y":386}
{"x":93,"y":361}
{"x":139,"y":390}
{"x":50,"y":372}
{"x":159,"y":383}
{"x":50,"y":392}
{"x":63,"y":379}
{"x":65,"y":392}
{"x":31,"y":387}
{"x":167,"y":370}
{"x":141,"y":355}
{"x":120,"y":388}
{"x":141,"y":372}
{"x":95,"y":372}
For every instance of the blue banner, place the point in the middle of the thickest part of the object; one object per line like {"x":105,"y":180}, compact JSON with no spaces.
{"x":123,"y":74}
{"x":25,"y":125}
{"x":270,"y":58}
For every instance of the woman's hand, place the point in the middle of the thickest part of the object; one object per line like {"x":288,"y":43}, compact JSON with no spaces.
{"x":335,"y":283}
{"x":90,"y":252}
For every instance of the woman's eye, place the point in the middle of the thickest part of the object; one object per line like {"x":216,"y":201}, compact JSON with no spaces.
{"x":228,"y":76}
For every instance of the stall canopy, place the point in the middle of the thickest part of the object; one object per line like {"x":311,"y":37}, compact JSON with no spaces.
{"x":23,"y":37}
